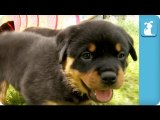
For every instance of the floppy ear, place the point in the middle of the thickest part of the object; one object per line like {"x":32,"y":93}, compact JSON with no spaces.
{"x":63,"y":40}
{"x":131,"y":48}
{"x":63,"y":53}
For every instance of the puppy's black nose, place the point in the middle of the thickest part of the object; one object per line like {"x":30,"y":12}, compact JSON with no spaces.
{"x":108,"y":77}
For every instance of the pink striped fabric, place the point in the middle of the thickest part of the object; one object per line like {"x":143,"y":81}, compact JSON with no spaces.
{"x":48,"y":21}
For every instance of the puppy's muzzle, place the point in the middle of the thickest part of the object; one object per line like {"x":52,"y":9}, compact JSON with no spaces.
{"x":108,"y":77}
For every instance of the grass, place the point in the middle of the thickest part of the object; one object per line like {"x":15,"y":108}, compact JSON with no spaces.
{"x":128,"y":94}
{"x":14,"y":97}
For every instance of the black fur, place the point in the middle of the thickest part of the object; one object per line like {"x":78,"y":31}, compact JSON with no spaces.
{"x":30,"y":61}
{"x":104,"y":34}
{"x":43,"y":31}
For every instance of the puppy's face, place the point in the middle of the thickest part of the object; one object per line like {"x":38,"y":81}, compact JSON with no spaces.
{"x":94,"y":57}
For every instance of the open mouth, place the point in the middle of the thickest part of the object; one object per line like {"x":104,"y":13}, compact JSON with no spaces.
{"x":99,"y":95}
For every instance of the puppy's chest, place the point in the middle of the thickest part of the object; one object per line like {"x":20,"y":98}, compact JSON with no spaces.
{"x":77,"y":98}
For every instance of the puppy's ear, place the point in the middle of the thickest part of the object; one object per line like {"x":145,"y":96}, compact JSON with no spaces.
{"x":131,"y":48}
{"x":63,"y":40}
{"x":63,"y":52}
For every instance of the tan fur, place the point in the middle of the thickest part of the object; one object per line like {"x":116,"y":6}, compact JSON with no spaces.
{"x":49,"y":102}
{"x":91,"y":79}
{"x":3,"y":91}
{"x":73,"y":76}
{"x":120,"y":78}
{"x":92,"y":47}
{"x":118,"y":47}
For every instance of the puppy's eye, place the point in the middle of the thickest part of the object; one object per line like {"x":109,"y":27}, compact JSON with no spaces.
{"x":121,"y":56}
{"x":86,"y":56}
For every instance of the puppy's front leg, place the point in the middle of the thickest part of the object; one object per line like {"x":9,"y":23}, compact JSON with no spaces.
{"x":3,"y":91}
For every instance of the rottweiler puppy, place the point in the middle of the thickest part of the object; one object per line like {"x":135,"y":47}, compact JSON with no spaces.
{"x":80,"y":63}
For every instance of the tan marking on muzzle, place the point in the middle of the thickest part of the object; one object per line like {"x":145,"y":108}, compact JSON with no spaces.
{"x":73,"y":76}
{"x":91,"y":79}
{"x":120,"y":78}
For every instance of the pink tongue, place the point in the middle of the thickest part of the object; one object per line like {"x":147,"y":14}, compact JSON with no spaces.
{"x":103,"y":95}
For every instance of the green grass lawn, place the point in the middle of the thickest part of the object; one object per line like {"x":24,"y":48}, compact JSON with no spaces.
{"x":14,"y":97}
{"x":128,"y":94}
